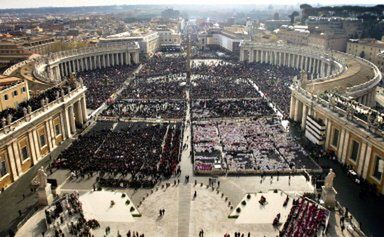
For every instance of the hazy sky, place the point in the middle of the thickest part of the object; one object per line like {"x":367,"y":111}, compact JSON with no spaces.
{"x":61,"y":3}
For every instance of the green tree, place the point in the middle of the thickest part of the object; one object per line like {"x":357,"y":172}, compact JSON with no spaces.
{"x":292,"y":16}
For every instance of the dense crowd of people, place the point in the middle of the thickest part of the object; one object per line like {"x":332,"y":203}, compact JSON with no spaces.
{"x":132,"y":155}
{"x":305,"y":219}
{"x":165,"y":109}
{"x":250,"y":145}
{"x":67,"y":213}
{"x":162,"y":87}
{"x":102,"y":83}
{"x":216,"y":108}
{"x":273,"y":81}
{"x":161,"y":66}
{"x":210,"y":86}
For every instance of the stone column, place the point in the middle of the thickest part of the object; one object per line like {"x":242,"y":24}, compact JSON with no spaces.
{"x":94,"y":63}
{"x":257,"y":56}
{"x":328,"y":134}
{"x":136,"y":59}
{"x":118,"y":59}
{"x":113,"y":60}
{"x":126,"y":58}
{"x":84,"y":109}
{"x":98,"y":61}
{"x":11,"y":163}
{"x":341,"y":146}
{"x":17,"y":157}
{"x":361,"y":158}
{"x":304,"y":116}
{"x":85,"y":63}
{"x":32,"y":147}
{"x":322,"y":69}
{"x":49,"y":136}
{"x":67,"y":125}
{"x":310,"y":65}
{"x":297,"y":61}
{"x":72,"y":66}
{"x":262,"y":56}
{"x":72,"y":119}
{"x":102,"y":61}
{"x":345,"y":147}
{"x":108,"y":60}
{"x":53,"y":134}
{"x":251,"y":56}
{"x":78,"y":65}
{"x":368,"y":157}
{"x":79,"y":113}
{"x":36,"y":144}
{"x":297,"y":110}
{"x":58,"y":75}
{"x":242,"y":55}
{"x":121,"y":58}
{"x":290,"y":60}
{"x":292,"y":107}
{"x":82,"y":64}
{"x":328,"y":69}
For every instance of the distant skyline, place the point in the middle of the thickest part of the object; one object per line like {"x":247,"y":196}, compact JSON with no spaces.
{"x":75,"y":3}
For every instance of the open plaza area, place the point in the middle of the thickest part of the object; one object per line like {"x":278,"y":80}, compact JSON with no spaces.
{"x":150,"y":122}
{"x":163,"y":160}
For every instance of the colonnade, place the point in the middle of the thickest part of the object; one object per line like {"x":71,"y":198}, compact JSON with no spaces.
{"x":79,"y":64}
{"x":368,"y":99}
{"x":316,"y":67}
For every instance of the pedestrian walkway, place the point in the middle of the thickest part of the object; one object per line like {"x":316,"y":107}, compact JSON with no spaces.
{"x":184,"y":209}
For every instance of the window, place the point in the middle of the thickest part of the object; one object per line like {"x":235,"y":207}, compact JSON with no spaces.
{"x":23,"y":90}
{"x":5,"y":97}
{"x":24,"y":153}
{"x":377,"y":172}
{"x":43,"y":142}
{"x":3,"y":168}
{"x":15,"y":93}
{"x":335,"y":138}
{"x":57,"y":130}
{"x":354,"y":150}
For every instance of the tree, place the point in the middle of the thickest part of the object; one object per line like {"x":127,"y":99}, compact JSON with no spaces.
{"x":292,"y":16}
{"x":305,"y":11}
{"x":305,"y":6}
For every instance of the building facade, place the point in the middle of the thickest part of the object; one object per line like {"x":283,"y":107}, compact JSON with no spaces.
{"x":13,"y":91}
{"x":168,"y":37}
{"x":30,"y":138}
{"x":223,"y":39}
{"x":370,"y":49}
{"x":14,"y":50}
{"x":147,"y":40}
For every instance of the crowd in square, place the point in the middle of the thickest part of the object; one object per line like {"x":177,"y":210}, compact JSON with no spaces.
{"x":247,"y":145}
{"x":230,"y":108}
{"x":102,"y":83}
{"x":306,"y":218}
{"x":162,"y":109}
{"x":132,"y":155}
